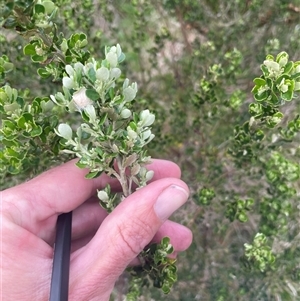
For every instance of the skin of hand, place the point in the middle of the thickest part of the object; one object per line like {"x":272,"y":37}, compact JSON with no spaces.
{"x":102,"y":245}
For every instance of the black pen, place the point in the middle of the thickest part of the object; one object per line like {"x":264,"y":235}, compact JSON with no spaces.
{"x":61,"y":262}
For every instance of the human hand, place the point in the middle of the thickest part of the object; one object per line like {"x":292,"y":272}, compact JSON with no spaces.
{"x":102,"y":245}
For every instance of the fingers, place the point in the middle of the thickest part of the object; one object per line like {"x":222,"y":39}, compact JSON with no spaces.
{"x":62,"y":189}
{"x":122,"y":236}
{"x":87,"y":218}
{"x":180,"y":236}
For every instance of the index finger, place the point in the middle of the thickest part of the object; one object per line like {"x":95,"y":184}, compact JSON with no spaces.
{"x":62,"y":189}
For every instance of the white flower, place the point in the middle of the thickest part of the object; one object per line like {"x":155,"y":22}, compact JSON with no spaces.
{"x":146,"y":118}
{"x":81,"y":100}
{"x":64,"y":130}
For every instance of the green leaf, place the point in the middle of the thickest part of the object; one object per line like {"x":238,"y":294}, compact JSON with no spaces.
{"x":102,"y":118}
{"x":80,"y":165}
{"x":9,"y":143}
{"x":10,"y":23}
{"x":259,"y":81}
{"x":272,"y":121}
{"x":43,"y":73}
{"x":38,"y":58}
{"x":94,"y":174}
{"x":242,"y":217}
{"x":92,"y":75}
{"x":289,"y":66}
{"x":29,"y":49}
{"x":37,"y":131}
{"x":49,"y":6}
{"x":53,"y":121}
{"x":92,"y":94}
{"x":39,"y":9}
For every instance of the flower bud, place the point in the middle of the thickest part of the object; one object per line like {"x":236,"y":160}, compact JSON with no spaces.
{"x":102,"y":195}
{"x":129,"y":93}
{"x":91,"y":112}
{"x":112,"y":58}
{"x":115,"y":73}
{"x":149,"y":175}
{"x":126,"y":113}
{"x":131,"y":133}
{"x":146,"y":118}
{"x":68,"y":82}
{"x":272,"y":65}
{"x":64,"y":131}
{"x":69,"y":69}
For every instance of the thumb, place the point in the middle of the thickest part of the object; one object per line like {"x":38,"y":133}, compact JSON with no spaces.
{"x":124,"y":234}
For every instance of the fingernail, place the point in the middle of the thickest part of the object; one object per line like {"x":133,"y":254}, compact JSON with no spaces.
{"x":169,"y":201}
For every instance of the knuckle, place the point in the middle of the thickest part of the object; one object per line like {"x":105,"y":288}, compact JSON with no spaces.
{"x":135,"y":234}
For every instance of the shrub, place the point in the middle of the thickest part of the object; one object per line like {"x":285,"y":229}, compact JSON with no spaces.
{"x":235,"y":138}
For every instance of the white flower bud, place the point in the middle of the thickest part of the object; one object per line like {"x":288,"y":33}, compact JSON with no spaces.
{"x":65,"y":131}
{"x":284,"y":88}
{"x":91,"y":112}
{"x":129,"y":93}
{"x":112,"y":58}
{"x":146,"y":118}
{"x":81,"y":100}
{"x":68,"y":82}
{"x":115,"y":73}
{"x":102,"y":74}
{"x":103,"y":196}
{"x":272,"y":65}
{"x":149,"y":175}
{"x":126,"y":113}
{"x":69,"y":69}
{"x":131,"y":133}
{"x":125,"y":83}
{"x":118,"y":50}
{"x":283,"y":61}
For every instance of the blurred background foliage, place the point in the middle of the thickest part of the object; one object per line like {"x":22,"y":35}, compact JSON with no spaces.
{"x":194,"y":62}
